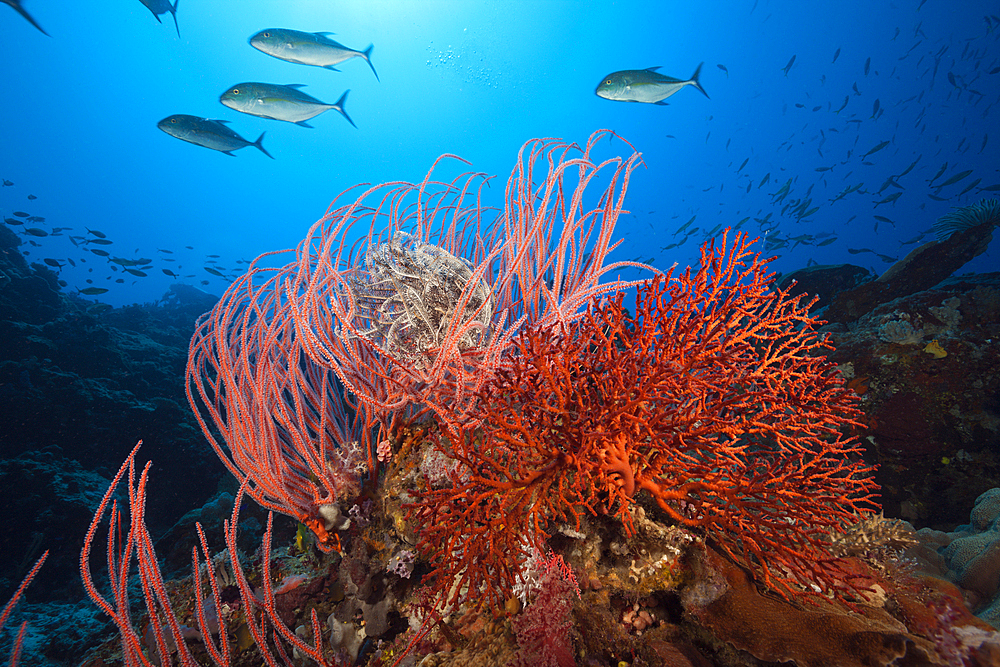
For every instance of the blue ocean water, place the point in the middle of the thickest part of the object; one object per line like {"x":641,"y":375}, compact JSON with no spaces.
{"x":478,"y":79}
{"x":80,"y":146}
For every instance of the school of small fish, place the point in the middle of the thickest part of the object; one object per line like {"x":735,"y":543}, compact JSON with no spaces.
{"x":114,"y":267}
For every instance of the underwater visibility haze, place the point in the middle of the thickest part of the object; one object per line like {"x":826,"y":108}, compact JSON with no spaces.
{"x":150,"y":151}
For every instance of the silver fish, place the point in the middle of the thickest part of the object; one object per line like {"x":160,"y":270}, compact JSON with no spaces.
{"x":16,"y":4}
{"x":287,"y":103}
{"x":208,"y":133}
{"x":644,"y":85}
{"x":162,"y":7}
{"x":307,"y":48}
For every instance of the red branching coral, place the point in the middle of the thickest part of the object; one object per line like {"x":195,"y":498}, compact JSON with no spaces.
{"x":712,"y":398}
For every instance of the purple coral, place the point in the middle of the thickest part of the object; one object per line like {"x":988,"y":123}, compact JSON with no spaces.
{"x":401,"y":563}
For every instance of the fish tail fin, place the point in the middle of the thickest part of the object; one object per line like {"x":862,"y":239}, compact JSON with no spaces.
{"x":339,"y":106}
{"x":260,"y":144}
{"x":23,"y":12}
{"x":696,"y":83}
{"x":367,"y":55}
{"x":173,"y":10}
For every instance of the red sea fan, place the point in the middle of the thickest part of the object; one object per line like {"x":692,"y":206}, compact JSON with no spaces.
{"x":713,"y":398}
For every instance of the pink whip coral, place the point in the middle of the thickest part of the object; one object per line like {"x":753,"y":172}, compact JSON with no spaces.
{"x":423,"y":308}
{"x":163,"y":624}
{"x":275,"y":418}
{"x":15,"y":655}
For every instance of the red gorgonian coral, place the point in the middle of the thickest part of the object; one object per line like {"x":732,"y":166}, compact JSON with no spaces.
{"x":275,"y":418}
{"x":713,"y":398}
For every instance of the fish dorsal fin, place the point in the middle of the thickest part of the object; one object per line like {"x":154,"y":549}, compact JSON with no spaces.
{"x":295,"y":85}
{"x":324,"y":34}
{"x":218,"y":120}
{"x":653,"y":69}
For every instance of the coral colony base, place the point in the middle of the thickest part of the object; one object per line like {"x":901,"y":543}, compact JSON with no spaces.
{"x":492,"y":461}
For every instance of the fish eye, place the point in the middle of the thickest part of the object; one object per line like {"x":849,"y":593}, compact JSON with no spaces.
{"x":173,"y":120}
{"x":266,"y":34}
{"x":608,"y":82}
{"x":236,"y":91}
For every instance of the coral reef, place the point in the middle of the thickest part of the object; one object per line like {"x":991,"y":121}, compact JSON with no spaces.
{"x":922,"y":269}
{"x":969,"y":556}
{"x":590,"y":464}
{"x":933,"y":420}
{"x":78,"y":380}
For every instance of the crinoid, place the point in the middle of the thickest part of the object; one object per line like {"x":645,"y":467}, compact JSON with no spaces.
{"x":409,"y":294}
{"x":967,"y":217}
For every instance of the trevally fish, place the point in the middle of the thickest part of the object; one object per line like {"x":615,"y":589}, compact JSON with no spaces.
{"x":644,"y":85}
{"x":287,"y":103}
{"x":208,"y":133}
{"x":307,"y":48}
{"x":162,"y":7}
{"x":16,"y":4}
